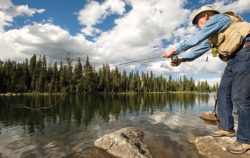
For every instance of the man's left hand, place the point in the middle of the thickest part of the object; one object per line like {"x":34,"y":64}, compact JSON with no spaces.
{"x":169,"y":53}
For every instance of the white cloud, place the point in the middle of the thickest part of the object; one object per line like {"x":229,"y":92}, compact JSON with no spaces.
{"x":137,"y":32}
{"x":8,"y":11}
{"x":4,"y":4}
{"x":47,"y":39}
{"x":239,"y":6}
{"x":25,"y":10}
{"x":94,"y":13}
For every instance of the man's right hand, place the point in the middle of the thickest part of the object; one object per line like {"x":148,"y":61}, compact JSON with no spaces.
{"x":175,"y":61}
{"x":169,"y":53}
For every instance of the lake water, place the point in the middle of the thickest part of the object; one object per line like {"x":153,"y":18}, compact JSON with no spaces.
{"x":67,"y":126}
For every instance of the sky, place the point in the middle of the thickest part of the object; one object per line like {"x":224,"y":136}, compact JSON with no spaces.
{"x":109,"y":31}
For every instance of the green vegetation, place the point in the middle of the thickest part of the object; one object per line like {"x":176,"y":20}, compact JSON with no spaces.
{"x":36,"y":76}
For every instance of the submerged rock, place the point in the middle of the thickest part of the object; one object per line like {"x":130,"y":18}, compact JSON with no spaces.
{"x":91,"y":152}
{"x":124,"y":143}
{"x":215,"y":147}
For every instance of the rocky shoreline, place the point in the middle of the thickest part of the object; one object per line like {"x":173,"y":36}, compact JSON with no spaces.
{"x":128,"y":143}
{"x":215,"y":147}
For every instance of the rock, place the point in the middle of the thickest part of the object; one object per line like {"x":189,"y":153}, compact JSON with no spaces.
{"x":124,"y":143}
{"x":215,"y":147}
{"x":91,"y":152}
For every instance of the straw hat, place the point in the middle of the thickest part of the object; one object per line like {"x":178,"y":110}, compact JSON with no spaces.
{"x":201,"y":10}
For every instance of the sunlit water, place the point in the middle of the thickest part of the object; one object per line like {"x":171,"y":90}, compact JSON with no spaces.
{"x":66,"y":126}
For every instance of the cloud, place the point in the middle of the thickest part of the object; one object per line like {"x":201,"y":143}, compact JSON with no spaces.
{"x":149,"y":22}
{"x":94,"y":13}
{"x":4,"y":4}
{"x":8,"y":11}
{"x":136,"y":34}
{"x":48,"y":39}
{"x":239,"y":6}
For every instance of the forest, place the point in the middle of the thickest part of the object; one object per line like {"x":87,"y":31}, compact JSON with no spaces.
{"x":35,"y":75}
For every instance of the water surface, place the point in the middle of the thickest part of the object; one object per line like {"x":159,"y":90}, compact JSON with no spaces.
{"x":67,"y":126}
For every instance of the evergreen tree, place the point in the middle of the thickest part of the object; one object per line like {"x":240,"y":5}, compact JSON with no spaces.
{"x":62,"y":77}
{"x":1,"y":77}
{"x":77,"y":74}
{"x":69,"y":74}
{"x":132,"y":82}
{"x":55,"y":79}
{"x":37,"y":76}
{"x":88,"y":81}
{"x":115,"y":75}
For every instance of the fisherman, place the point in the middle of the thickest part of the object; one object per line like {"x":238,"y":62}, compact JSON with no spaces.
{"x":229,"y":37}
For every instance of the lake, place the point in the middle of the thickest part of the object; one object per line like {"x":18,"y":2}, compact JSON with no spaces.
{"x":68,"y":125}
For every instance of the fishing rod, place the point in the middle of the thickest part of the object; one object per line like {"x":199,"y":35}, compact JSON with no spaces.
{"x":135,"y":61}
{"x":173,"y":58}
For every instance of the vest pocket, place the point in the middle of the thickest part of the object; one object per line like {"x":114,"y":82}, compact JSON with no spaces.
{"x":232,"y":43}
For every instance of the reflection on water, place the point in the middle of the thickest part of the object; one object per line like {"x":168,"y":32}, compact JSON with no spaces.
{"x":59,"y":126}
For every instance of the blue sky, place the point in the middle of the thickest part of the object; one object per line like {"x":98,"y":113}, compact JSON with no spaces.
{"x":109,"y":31}
{"x":61,"y":12}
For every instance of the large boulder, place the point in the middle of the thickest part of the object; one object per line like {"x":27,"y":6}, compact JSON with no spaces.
{"x":215,"y":147}
{"x":124,"y":143}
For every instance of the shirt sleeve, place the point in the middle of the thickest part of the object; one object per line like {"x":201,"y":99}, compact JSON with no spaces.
{"x":214,"y":25}
{"x":195,"y":52}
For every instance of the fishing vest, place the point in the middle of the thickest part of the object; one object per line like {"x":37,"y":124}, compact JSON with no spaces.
{"x":227,"y":43}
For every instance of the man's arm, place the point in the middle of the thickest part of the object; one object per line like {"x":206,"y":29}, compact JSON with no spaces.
{"x":214,"y":25}
{"x":195,"y":52}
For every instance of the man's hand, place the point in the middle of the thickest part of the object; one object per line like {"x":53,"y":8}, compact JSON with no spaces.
{"x":175,"y":61}
{"x":169,"y":53}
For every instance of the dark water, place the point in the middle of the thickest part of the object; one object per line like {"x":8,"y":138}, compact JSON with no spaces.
{"x":67,"y":126}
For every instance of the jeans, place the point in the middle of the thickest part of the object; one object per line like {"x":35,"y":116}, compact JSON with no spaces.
{"x":235,"y":90}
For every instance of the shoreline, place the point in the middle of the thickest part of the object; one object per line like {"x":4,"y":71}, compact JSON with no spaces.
{"x":117,"y":93}
{"x":30,"y":94}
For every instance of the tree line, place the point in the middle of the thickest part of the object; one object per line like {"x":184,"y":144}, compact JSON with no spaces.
{"x":36,"y":75}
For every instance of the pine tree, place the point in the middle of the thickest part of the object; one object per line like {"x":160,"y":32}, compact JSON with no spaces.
{"x":55,"y":78}
{"x":40,"y":75}
{"x":26,"y":75}
{"x":107,"y":78}
{"x":1,"y":77}
{"x":88,"y":81}
{"x":62,"y":77}
{"x":132,"y":81}
{"x":69,"y":74}
{"x":77,"y":74}
{"x":115,"y":75}
{"x":143,"y":82}
{"x":137,"y":82}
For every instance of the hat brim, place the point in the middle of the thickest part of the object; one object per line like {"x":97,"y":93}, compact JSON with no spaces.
{"x":195,"y":19}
